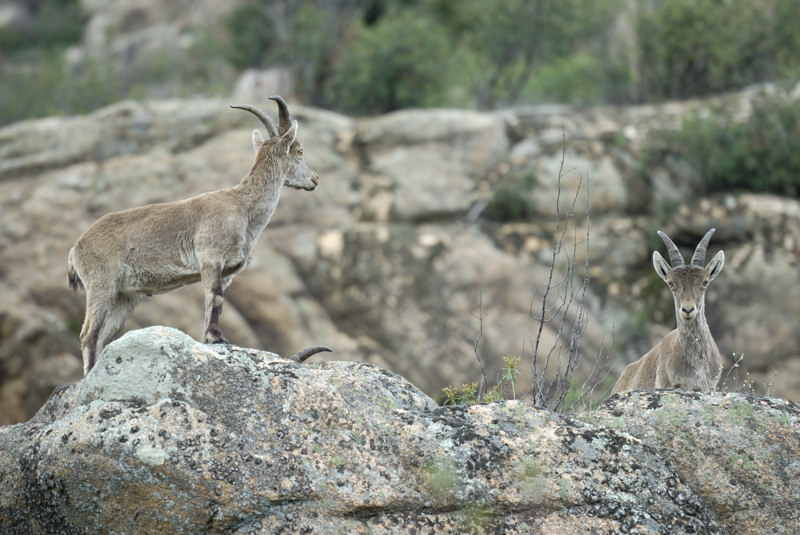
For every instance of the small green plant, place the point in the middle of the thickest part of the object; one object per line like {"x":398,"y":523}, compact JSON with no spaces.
{"x":511,"y":199}
{"x":507,"y":380}
{"x":505,"y":388}
{"x":466,"y":395}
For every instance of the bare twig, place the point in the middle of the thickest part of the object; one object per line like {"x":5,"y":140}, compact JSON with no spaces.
{"x":484,"y":382}
{"x":556,"y":248}
{"x":567,"y":309}
{"x":564,"y":307}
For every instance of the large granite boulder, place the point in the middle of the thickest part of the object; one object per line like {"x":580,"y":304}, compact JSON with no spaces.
{"x":167,"y":435}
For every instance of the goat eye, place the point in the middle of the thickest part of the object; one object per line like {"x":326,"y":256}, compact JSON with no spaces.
{"x":705,"y":283}
{"x":299,"y":152}
{"x":670,"y":284}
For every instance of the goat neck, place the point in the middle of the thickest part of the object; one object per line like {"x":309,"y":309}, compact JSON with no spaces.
{"x":260,"y":190}
{"x":694,"y":337}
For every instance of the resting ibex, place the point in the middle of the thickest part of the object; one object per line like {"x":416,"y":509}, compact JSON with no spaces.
{"x":686,"y":358}
{"x":128,"y":255}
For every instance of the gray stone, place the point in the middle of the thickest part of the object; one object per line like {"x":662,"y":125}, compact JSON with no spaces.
{"x":729,"y":448}
{"x":222,"y":439}
{"x":433,"y":158}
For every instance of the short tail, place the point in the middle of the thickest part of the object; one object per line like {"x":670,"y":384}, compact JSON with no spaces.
{"x":74,"y":280}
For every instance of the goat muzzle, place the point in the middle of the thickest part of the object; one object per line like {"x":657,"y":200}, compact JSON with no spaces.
{"x":688,"y":313}
{"x":315,"y":181}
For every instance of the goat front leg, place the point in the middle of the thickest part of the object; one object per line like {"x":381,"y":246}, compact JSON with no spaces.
{"x":214,"y":288}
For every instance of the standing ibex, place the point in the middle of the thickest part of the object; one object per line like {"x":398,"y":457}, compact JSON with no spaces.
{"x":128,"y":255}
{"x":686,"y":358}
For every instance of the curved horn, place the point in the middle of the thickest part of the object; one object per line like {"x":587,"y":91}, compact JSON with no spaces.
{"x":699,"y":256}
{"x":284,"y":117}
{"x":675,"y":257}
{"x":272,"y":130}
{"x":303,"y":354}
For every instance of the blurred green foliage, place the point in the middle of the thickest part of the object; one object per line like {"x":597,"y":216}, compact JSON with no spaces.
{"x":54,"y":24}
{"x":373,"y":56}
{"x":761,"y":154}
{"x":515,"y":41}
{"x":37,"y":79}
{"x":696,"y":47}
{"x":31,"y":61}
{"x":251,"y":36}
{"x":398,"y":62}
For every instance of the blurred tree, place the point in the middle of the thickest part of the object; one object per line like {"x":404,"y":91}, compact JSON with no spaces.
{"x":251,"y":34}
{"x":697,"y":47}
{"x":515,"y":38}
{"x":400,"y":61}
{"x":303,"y":35}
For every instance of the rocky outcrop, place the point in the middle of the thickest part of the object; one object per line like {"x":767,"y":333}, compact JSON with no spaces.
{"x":167,"y":435}
{"x":391,"y":260}
{"x":730,"y":449}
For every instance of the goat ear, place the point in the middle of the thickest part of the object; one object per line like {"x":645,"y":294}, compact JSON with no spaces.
{"x":286,"y":140}
{"x":258,"y":140}
{"x":715,"y":266}
{"x":661,"y":266}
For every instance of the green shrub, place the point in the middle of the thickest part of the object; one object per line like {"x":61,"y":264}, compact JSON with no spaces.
{"x":511,"y":199}
{"x":55,"y":24}
{"x":251,"y":34}
{"x":310,"y":49}
{"x":35,"y":80}
{"x":45,"y":86}
{"x":697,"y":47}
{"x":399,"y":62}
{"x":517,"y":43}
{"x":580,"y":79}
{"x":761,"y":154}
{"x":26,"y":89}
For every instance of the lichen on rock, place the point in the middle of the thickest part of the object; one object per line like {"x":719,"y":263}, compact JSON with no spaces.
{"x":222,"y":439}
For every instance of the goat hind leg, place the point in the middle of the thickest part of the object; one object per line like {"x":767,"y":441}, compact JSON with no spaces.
{"x":104,"y":319}
{"x":114,"y":321}
{"x":89,"y":334}
{"x":96,"y":311}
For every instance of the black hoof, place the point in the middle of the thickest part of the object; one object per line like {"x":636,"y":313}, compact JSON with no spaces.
{"x":215,"y":337}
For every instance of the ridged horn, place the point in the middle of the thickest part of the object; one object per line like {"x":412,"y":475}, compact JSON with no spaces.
{"x":284,"y":117}
{"x":269,"y":124}
{"x":675,"y":257}
{"x":303,"y":354}
{"x":699,"y":256}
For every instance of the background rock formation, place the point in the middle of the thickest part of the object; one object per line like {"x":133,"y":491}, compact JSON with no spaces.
{"x":167,"y":435}
{"x":393,"y":258}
